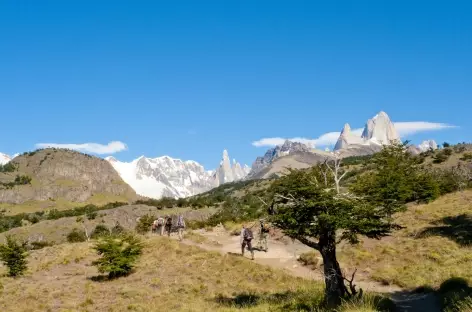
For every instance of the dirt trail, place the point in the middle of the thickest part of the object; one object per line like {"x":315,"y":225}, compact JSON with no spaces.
{"x":283,"y":255}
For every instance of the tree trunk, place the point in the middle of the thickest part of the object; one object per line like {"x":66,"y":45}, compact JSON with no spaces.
{"x":335,"y":289}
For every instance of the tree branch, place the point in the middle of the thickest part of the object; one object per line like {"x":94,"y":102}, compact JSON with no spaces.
{"x":308,"y":242}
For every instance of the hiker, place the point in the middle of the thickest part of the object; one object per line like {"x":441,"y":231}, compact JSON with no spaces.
{"x":246,"y":240}
{"x":263,"y":233}
{"x":180,"y":225}
{"x":160,"y":225}
{"x":154,"y":226}
{"x":168,"y":225}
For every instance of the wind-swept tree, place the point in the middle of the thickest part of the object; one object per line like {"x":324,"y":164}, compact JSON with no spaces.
{"x":311,"y":209}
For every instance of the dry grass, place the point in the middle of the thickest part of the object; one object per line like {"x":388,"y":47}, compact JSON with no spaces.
{"x":410,"y":259}
{"x":56,"y":230}
{"x":168,"y":277}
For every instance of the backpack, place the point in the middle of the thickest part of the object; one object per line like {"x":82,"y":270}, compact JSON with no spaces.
{"x":265,"y":228}
{"x":248,"y":234}
{"x":160,"y":221}
{"x":169,"y":222}
{"x":181,"y":222}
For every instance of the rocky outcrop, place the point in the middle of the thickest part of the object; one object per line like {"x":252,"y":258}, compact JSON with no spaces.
{"x":428,"y":145}
{"x":64,"y":174}
{"x":380,"y":130}
{"x":272,"y":154}
{"x":226,"y":172}
{"x":347,"y":138}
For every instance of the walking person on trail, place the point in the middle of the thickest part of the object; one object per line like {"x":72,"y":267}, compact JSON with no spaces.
{"x":160,"y":225}
{"x":263,"y":234}
{"x":168,"y":225}
{"x":180,"y":226}
{"x":246,"y":240}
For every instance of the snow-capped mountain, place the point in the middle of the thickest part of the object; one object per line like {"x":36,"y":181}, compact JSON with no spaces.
{"x":378,"y":131}
{"x":427,"y":145}
{"x":4,"y":158}
{"x":168,"y":177}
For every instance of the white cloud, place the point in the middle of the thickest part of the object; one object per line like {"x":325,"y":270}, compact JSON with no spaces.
{"x":412,"y":127}
{"x":330,"y":138}
{"x":95,"y":148}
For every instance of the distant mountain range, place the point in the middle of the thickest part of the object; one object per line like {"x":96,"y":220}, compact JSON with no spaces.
{"x":170,"y":177}
{"x":378,"y":131}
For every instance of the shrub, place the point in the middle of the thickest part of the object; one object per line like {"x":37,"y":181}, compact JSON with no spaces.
{"x":8,"y":167}
{"x":118,"y":254}
{"x":309,"y":259}
{"x":144,"y":224}
{"x":91,"y":215}
{"x":40,"y":245}
{"x":440,"y":157}
{"x":13,"y":254}
{"x":117,"y":229}
{"x":76,"y":236}
{"x":100,"y":231}
{"x":466,"y":157}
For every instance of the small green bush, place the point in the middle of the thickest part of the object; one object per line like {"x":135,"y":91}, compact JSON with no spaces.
{"x":144,"y":224}
{"x":118,"y":254}
{"x":100,"y":231}
{"x":76,"y":236}
{"x":13,"y":254}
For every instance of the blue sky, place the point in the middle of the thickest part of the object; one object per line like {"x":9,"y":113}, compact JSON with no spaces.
{"x":190,"y":78}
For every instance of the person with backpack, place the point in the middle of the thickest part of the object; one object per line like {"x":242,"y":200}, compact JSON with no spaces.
{"x":263,"y":233}
{"x":160,"y":225}
{"x":168,"y":225}
{"x":246,"y":240}
{"x":180,"y":226}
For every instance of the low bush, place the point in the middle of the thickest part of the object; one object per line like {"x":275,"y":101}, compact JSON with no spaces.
{"x":118,"y":254}
{"x":40,"y":245}
{"x":100,"y":230}
{"x":13,"y":254}
{"x":144,"y":224}
{"x":76,"y":236}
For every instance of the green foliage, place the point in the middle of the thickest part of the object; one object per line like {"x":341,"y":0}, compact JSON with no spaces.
{"x":355,"y":160}
{"x":118,"y":254}
{"x":100,"y":230}
{"x":397,"y":178}
{"x":307,"y":208}
{"x":76,"y":236}
{"x":13,"y":254}
{"x":445,"y":144}
{"x":8,"y":167}
{"x":144,"y":224}
{"x":19,"y":180}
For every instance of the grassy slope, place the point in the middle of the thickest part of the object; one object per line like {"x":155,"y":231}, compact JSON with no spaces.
{"x":169,"y":277}
{"x":427,"y":252}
